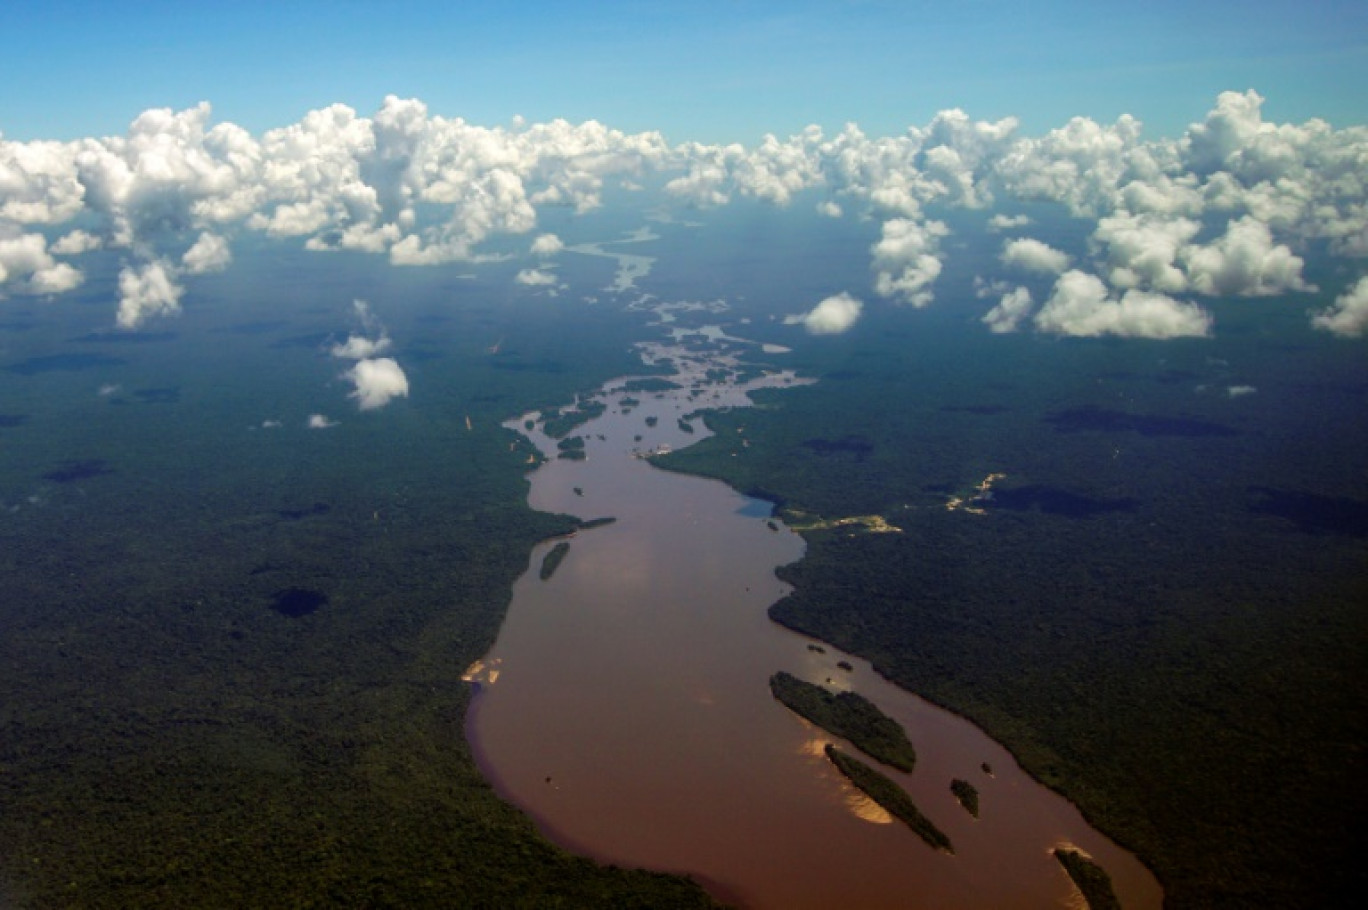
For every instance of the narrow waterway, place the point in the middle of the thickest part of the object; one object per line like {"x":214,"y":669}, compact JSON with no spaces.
{"x":626,"y":705}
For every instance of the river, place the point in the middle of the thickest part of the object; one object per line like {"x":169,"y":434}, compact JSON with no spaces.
{"x":626,"y":708}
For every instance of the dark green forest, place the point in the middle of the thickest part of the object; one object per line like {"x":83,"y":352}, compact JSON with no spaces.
{"x":893,"y":798}
{"x":231,"y":660}
{"x":849,"y":715}
{"x":967,"y":795}
{"x":1092,"y":880}
{"x":230,"y":670}
{"x":1158,"y":609}
{"x":552,"y":560}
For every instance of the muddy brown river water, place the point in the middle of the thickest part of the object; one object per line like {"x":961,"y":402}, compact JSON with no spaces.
{"x":626,"y":706}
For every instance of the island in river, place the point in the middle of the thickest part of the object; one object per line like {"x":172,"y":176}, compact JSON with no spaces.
{"x":889,"y":796}
{"x":849,"y":715}
{"x":1159,"y":610}
{"x":627,"y":704}
{"x":1145,"y":610}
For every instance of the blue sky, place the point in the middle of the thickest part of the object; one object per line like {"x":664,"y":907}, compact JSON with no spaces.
{"x":706,"y":71}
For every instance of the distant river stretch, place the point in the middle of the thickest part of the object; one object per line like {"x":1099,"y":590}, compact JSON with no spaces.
{"x":626,"y":704}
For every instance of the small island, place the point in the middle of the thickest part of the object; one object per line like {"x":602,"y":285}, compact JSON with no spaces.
{"x":554,"y":557}
{"x":848,"y":715}
{"x":649,"y":384}
{"x":572,"y":448}
{"x":558,"y":423}
{"x":595,"y":523}
{"x":1092,"y":880}
{"x":890,"y":796}
{"x":967,"y":794}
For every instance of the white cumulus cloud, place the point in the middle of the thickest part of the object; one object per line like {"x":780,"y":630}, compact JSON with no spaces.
{"x":147,"y":290}
{"x":359,"y":347}
{"x":1245,"y":262}
{"x":547,"y":245}
{"x":832,"y":316}
{"x":906,"y":261}
{"x":210,"y":253}
{"x":1348,"y":318}
{"x":1080,"y":305}
{"x":377,"y":381}
{"x":73,"y":243}
{"x":1221,"y":211}
{"x":535,"y":278}
{"x":1080,"y":165}
{"x":1033,"y":256}
{"x":1143,"y":251}
{"x":1007,"y":316}
{"x":55,"y":279}
{"x":28,"y":268}
{"x":1007,"y":222}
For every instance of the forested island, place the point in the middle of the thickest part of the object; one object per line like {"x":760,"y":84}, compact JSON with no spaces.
{"x":890,"y":796}
{"x":571,"y":448}
{"x":1092,"y":880}
{"x":1159,"y":618}
{"x":1156,"y":693}
{"x":967,"y":794}
{"x":849,"y":715}
{"x":558,"y":422}
{"x":649,"y":384}
{"x":553,"y":558}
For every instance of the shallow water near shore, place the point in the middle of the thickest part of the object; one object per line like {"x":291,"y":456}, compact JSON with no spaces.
{"x":626,"y":705}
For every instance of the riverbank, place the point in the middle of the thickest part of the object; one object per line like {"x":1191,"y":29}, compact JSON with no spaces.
{"x":170,"y":738}
{"x":1148,"y":632}
{"x":632,"y":718}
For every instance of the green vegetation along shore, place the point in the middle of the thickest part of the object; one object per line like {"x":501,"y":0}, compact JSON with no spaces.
{"x":170,"y":738}
{"x":1144,"y":633}
{"x":848,"y":715}
{"x":890,"y":796}
{"x":558,"y":423}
